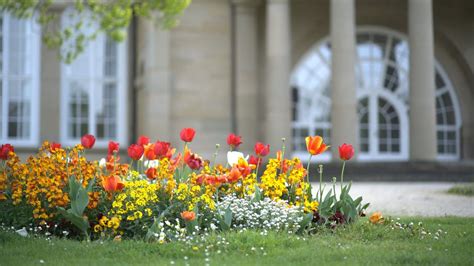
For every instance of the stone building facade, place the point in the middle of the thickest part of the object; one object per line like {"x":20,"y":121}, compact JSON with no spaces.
{"x":393,"y":77}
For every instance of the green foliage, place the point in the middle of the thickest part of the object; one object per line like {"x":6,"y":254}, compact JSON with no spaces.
{"x":225,"y":219}
{"x":79,"y":200}
{"x":465,"y":190}
{"x":350,"y":208}
{"x":112,"y":18}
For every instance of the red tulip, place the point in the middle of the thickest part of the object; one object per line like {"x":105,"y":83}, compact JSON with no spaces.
{"x":113,"y":147}
{"x":187,"y":134}
{"x":112,"y":183}
{"x":346,"y":151}
{"x":234,"y":141}
{"x":88,"y":141}
{"x":54,"y":147}
{"x":143,"y":140}
{"x":162,"y":149}
{"x":5,"y":150}
{"x":135,"y":151}
{"x":151,"y":173}
{"x":255,"y":160}
{"x":315,"y":145}
{"x":193,"y":161}
{"x":261,"y":150}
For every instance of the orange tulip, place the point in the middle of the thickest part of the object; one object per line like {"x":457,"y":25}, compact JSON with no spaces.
{"x":150,"y":151}
{"x":112,"y":183}
{"x":376,"y":217}
{"x":151,"y":173}
{"x":234,"y":175}
{"x":315,"y":145}
{"x":188,"y":216}
{"x":244,"y":167}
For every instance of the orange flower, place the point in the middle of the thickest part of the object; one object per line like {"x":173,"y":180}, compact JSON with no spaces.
{"x":376,"y":217}
{"x":188,"y":216}
{"x":112,"y":183}
{"x":244,"y":167}
{"x":315,"y":145}
{"x":151,"y":173}
{"x":234,"y":175}
{"x":150,"y":151}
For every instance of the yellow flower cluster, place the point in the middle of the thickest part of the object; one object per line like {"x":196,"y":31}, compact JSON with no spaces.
{"x":285,"y":180}
{"x":249,"y":183}
{"x":191,"y":194}
{"x":165,"y":176}
{"x":273,"y":184}
{"x":135,"y":200}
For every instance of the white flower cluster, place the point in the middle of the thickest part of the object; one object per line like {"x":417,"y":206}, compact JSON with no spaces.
{"x":266,"y":214}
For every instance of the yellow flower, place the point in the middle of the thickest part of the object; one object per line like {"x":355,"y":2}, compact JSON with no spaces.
{"x":103,"y":221}
{"x":97,"y":228}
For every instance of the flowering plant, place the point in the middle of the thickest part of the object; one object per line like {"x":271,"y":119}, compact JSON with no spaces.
{"x":161,"y":192}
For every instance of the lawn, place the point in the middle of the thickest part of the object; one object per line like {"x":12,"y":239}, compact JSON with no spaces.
{"x":465,"y":189}
{"x":360,"y":244}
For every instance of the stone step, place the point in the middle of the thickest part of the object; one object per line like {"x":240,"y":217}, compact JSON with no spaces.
{"x":399,"y":171}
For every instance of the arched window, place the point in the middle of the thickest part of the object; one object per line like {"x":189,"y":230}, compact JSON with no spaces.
{"x":94,"y":88}
{"x":383,"y":93}
{"x":19,"y":80}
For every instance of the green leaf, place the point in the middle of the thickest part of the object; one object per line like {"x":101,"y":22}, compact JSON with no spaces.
{"x":305,"y":222}
{"x":357,"y":201}
{"x":73,"y":186}
{"x":228,"y":217}
{"x":79,"y":204}
{"x":79,"y":221}
{"x":258,"y":194}
{"x":90,"y":186}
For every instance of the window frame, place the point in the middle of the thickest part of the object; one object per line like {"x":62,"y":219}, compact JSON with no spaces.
{"x":33,"y":60}
{"x":401,"y":92}
{"x":121,"y":81}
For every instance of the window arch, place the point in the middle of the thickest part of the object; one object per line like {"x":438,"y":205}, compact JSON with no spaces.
{"x":382,"y":69}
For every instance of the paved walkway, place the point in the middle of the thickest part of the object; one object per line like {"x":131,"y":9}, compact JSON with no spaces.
{"x":412,"y":199}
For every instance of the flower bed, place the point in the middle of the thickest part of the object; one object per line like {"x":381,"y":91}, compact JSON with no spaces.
{"x":163,"y":195}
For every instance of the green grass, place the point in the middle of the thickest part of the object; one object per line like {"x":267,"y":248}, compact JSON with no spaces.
{"x":466,"y":190}
{"x":358,"y":244}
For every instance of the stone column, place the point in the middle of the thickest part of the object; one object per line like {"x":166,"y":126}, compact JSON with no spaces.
{"x":277,"y":69}
{"x":153,"y":81}
{"x":422,"y":86}
{"x":246,"y":52}
{"x":344,"y":118}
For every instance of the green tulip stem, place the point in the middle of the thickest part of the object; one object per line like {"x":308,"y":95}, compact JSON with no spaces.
{"x":307,"y":174}
{"x":320,"y":183}
{"x":342,"y":174}
{"x":215,"y":156}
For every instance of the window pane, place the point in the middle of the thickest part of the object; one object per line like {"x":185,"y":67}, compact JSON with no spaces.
{"x":105,"y":111}
{"x":78,"y":109}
